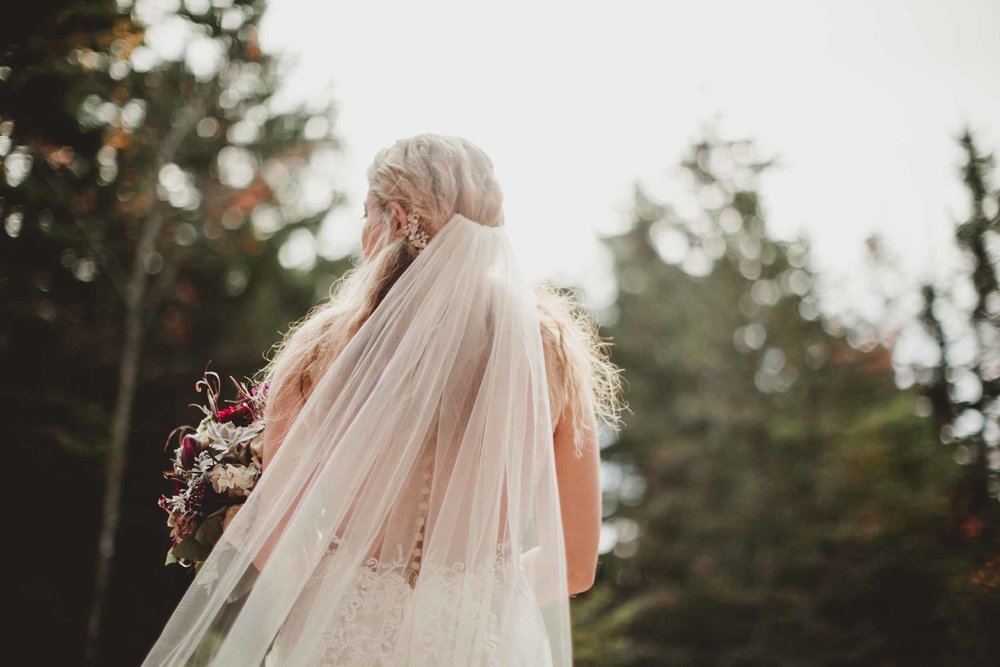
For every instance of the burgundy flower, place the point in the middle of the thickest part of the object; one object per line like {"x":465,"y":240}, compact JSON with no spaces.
{"x":189,"y":451}
{"x":196,"y":496}
{"x":241,"y":414}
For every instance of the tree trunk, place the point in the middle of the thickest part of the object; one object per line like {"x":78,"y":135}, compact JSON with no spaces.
{"x":135,"y":305}
{"x":120,"y":423}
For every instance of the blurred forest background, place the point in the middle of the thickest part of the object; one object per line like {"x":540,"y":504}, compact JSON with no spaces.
{"x":787,"y":490}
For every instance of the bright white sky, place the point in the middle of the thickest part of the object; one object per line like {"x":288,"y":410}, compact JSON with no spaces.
{"x":574,"y":101}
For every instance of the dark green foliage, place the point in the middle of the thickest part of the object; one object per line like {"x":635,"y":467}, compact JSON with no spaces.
{"x":793,"y":508}
{"x":970,"y":423}
{"x":117,"y":197}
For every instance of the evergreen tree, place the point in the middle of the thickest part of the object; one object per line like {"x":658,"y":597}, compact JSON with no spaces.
{"x":962,"y":319}
{"x":775,"y":498}
{"x":146,"y":197}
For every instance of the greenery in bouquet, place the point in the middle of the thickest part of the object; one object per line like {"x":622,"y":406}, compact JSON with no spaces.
{"x":215,"y":467}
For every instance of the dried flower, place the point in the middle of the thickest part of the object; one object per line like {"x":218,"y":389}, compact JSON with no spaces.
{"x":215,"y":466}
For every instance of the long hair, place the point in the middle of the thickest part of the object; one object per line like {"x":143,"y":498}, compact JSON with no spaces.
{"x":438,"y":176}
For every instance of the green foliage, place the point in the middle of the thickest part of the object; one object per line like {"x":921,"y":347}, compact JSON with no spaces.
{"x":963,"y":390}
{"x":138,"y":181}
{"x":779,"y":500}
{"x":198,"y":545}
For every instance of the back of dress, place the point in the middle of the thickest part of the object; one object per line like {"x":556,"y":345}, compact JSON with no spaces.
{"x":411,"y":514}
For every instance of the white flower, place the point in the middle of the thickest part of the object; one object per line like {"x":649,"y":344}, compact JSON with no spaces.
{"x":236,"y":480}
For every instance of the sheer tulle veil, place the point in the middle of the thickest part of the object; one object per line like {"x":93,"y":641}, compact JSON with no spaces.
{"x":427,"y":447}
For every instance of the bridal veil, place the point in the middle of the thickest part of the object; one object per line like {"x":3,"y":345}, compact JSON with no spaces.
{"x":411,"y":513}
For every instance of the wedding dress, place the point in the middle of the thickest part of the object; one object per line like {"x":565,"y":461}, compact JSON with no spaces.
{"x":410,"y":516}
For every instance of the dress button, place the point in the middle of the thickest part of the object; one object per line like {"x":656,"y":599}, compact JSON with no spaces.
{"x":420,"y":520}
{"x":417,"y":551}
{"x":422,"y":505}
{"x":425,"y":489}
{"x":415,"y":565}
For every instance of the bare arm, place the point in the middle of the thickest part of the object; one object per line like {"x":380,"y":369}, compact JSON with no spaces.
{"x":578,"y":479}
{"x":580,"y":500}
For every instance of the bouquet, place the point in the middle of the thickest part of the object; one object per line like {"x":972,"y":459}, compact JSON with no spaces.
{"x":215,"y":467}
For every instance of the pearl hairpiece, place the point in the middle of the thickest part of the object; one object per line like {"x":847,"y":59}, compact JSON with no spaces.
{"x":417,"y":236}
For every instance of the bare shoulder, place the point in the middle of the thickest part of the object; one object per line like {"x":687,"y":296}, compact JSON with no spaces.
{"x":567,"y":363}
{"x":556,"y":361}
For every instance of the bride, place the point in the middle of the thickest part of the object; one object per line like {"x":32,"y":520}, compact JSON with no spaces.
{"x":430,"y":493}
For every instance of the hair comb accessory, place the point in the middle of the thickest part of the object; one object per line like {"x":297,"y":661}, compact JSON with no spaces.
{"x":418,"y":237}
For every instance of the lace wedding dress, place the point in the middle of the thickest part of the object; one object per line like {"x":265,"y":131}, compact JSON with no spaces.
{"x":410,"y":517}
{"x":374,"y":625}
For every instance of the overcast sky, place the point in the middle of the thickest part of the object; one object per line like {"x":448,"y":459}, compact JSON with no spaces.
{"x":574,"y":101}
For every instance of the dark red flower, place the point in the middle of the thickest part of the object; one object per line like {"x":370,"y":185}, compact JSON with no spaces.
{"x":240,"y":414}
{"x":189,"y":451}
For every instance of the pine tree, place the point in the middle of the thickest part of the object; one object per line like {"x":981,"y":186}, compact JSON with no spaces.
{"x":962,"y":320}
{"x":145,"y":196}
{"x":776,"y":499}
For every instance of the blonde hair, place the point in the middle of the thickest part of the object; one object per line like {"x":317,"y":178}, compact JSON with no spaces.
{"x":438,"y":176}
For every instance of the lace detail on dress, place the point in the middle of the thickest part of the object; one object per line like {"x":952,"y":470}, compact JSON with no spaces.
{"x":398,"y":610}
{"x":376,"y":613}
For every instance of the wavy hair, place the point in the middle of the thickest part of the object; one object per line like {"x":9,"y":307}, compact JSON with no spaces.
{"x":438,"y":176}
